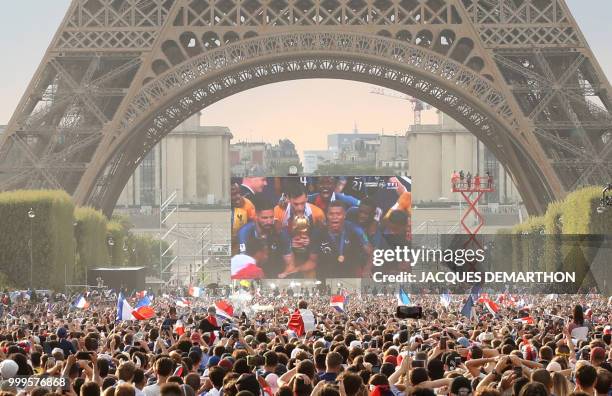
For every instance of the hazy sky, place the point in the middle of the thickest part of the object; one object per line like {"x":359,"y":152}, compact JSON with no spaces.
{"x":304,"y":111}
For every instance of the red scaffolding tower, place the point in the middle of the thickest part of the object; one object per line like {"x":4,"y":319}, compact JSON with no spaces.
{"x":479,"y":185}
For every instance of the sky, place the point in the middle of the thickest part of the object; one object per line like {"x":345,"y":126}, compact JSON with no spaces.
{"x":304,"y":111}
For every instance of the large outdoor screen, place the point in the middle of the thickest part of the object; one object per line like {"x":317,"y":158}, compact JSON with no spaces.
{"x":316,"y":227}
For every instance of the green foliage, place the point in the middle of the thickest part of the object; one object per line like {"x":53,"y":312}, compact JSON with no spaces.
{"x":90,"y":234}
{"x":580,"y":213}
{"x":553,"y":229}
{"x":567,"y":226}
{"x":53,"y":244}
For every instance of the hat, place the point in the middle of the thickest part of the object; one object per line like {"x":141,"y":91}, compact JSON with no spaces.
{"x":272,"y":380}
{"x":460,"y":383}
{"x":226,"y":364}
{"x":8,"y":368}
{"x":485,"y":337}
{"x":598,"y":353}
{"x":553,"y":367}
{"x":197,"y":350}
{"x":56,"y":350}
{"x":213,"y":361}
{"x":295,"y":352}
{"x":355,"y":344}
{"x":61,"y":332}
{"x":464,"y":342}
{"x":391,"y":359}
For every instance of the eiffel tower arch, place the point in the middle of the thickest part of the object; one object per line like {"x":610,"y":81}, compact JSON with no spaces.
{"x":121,"y":74}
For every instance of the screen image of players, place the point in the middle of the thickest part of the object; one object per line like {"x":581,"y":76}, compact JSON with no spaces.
{"x":316,"y":227}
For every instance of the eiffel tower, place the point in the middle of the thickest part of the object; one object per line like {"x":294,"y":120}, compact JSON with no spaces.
{"x":121,"y":74}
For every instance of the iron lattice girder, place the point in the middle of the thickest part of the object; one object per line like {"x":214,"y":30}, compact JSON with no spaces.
{"x":104,"y":92}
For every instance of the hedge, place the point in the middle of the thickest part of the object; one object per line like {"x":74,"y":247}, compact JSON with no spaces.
{"x":580,"y":215}
{"x":90,"y":234}
{"x":552,"y":229}
{"x":580,"y":218}
{"x":567,"y":227}
{"x":53,"y":245}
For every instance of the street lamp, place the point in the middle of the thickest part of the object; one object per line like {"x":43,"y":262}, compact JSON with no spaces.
{"x":31,"y":215}
{"x":111,"y":243}
{"x":606,"y":199}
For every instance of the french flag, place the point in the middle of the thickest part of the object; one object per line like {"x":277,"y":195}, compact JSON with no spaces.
{"x":526,"y":320}
{"x":183,"y":302}
{"x":143,"y":310}
{"x":179,"y":327}
{"x":124,"y":309}
{"x":225,"y":311}
{"x":195,"y":291}
{"x":245,"y":267}
{"x":81,"y":303}
{"x":338,"y":303}
{"x":301,"y":321}
{"x":445,"y":299}
{"x":491,"y":306}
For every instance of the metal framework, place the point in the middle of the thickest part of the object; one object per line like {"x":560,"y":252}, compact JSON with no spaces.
{"x":121,"y":74}
{"x":472,"y":192}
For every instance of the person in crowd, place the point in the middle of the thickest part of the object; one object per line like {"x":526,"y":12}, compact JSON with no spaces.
{"x":341,"y":248}
{"x":326,"y":194}
{"x":242,"y":212}
{"x":251,"y":186}
{"x":297,"y":207}
{"x":280,"y":257}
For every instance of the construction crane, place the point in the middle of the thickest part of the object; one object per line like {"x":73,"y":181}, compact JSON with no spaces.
{"x":417,"y":105}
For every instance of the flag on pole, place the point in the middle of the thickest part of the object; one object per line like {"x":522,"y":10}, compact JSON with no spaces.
{"x":195,"y":291}
{"x":143,"y":309}
{"x":525,"y":320}
{"x":225,"y":310}
{"x":491,"y":306}
{"x":182,"y":302}
{"x":403,"y":298}
{"x":124,"y":309}
{"x":81,"y":303}
{"x":445,"y":299}
{"x":475,"y":293}
{"x":179,"y":328}
{"x":338,"y":303}
{"x":301,"y":321}
{"x":468,"y":308}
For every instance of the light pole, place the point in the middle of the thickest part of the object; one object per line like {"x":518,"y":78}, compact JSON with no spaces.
{"x":606,"y":199}
{"x":76,"y":246}
{"x":111,"y":243}
{"x":31,"y":215}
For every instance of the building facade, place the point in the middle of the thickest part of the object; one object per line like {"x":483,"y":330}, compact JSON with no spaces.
{"x":260,"y":158}
{"x":314,"y":158}
{"x":189,"y":161}
{"x":435,"y":151}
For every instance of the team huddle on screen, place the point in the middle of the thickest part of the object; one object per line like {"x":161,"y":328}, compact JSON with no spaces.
{"x":316,"y":227}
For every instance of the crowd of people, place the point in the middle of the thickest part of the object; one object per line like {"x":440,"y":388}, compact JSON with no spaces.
{"x":363,"y":349}
{"x":316,"y":227}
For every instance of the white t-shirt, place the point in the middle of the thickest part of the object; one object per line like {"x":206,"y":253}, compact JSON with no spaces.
{"x":151,"y":390}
